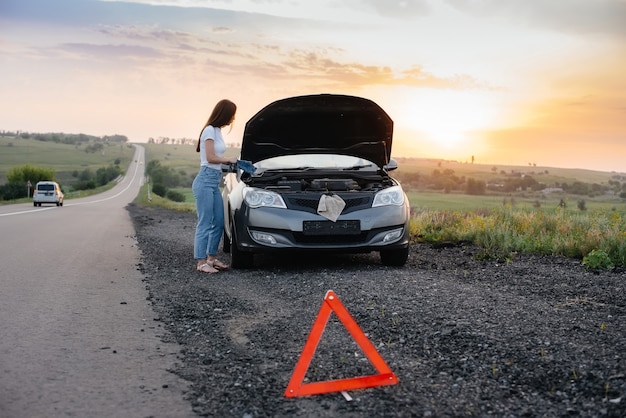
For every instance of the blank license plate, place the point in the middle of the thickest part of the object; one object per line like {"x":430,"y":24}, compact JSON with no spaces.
{"x":331,"y":228}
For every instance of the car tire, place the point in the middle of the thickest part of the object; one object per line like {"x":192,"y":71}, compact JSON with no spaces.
{"x":394,"y":257}
{"x":35,"y":204}
{"x":238,"y":259}
{"x":225,"y":242}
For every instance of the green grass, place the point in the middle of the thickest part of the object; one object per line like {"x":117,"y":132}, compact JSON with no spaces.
{"x":64,"y":159}
{"x":147,"y":198}
{"x":462,"y":202}
{"x":504,"y":231}
{"x":451,"y":201}
{"x":187,"y":192}
{"x":179,"y":157}
{"x":486,"y":172}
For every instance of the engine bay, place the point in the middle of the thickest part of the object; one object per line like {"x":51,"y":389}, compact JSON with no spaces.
{"x":310,"y":183}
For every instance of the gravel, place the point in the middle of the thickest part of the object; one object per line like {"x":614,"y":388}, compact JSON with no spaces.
{"x":531,"y":336}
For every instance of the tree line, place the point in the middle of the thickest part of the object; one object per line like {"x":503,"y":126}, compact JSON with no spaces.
{"x":63,"y":138}
{"x":447,"y":180}
{"x":164,"y":178}
{"x":18,"y":179}
{"x":163,"y":140}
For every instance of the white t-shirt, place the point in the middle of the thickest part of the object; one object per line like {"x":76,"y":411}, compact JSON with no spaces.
{"x":215,"y":134}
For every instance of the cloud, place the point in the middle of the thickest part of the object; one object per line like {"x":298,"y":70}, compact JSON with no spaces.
{"x":417,"y":77}
{"x":107,"y":52}
{"x":351,"y":74}
{"x":146,"y":34}
{"x":581,"y":17}
{"x":144,"y":43}
{"x":184,"y":48}
{"x":87,"y":13}
{"x":403,"y":9}
{"x":222,"y":29}
{"x":320,"y":9}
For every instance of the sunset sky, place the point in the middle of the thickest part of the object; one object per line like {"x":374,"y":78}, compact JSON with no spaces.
{"x":505,"y":81}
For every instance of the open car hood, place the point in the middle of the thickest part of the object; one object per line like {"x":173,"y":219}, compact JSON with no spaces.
{"x":319,"y":124}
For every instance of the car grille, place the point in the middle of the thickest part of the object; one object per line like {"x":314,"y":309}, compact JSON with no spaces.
{"x":330,"y":239}
{"x":309,"y":204}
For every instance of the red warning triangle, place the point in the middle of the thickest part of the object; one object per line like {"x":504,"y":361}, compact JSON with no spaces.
{"x":384,"y":377}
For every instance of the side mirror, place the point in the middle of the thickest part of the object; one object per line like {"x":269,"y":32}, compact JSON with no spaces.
{"x":392,"y":165}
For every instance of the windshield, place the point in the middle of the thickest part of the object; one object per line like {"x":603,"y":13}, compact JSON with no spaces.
{"x":314,"y":161}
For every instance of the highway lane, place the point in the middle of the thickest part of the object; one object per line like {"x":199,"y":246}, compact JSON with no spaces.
{"x":77,"y":335}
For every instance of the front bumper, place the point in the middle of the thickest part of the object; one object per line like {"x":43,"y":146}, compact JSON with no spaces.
{"x":274,"y":229}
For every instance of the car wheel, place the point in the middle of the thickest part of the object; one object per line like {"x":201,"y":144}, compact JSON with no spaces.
{"x":238,"y":259}
{"x":35,"y":204}
{"x":394,"y":257}
{"x":225,"y":242}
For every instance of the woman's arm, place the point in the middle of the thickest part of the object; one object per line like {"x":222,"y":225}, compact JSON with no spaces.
{"x":212,"y":158}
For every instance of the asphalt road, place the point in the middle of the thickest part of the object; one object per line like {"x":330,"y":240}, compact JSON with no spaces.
{"x":77,"y":335}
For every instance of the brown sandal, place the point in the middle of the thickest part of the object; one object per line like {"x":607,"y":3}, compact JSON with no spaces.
{"x":217,"y":264}
{"x":206,"y":268}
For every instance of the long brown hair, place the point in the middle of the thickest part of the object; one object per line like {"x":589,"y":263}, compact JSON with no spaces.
{"x":221,"y":115}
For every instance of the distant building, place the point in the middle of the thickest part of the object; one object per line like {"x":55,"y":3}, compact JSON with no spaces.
{"x":548,"y":190}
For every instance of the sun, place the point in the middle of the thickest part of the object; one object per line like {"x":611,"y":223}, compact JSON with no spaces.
{"x":446,"y":118}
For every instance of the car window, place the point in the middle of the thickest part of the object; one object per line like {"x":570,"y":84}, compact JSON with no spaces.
{"x":45,"y":187}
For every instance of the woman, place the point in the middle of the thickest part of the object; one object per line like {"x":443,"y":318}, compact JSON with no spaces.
{"x":209,"y":204}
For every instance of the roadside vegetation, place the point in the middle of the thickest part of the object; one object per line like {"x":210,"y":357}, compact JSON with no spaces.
{"x":570,"y":212}
{"x":598,"y":237}
{"x":170,"y":171}
{"x":81,"y":164}
{"x":502,"y":209}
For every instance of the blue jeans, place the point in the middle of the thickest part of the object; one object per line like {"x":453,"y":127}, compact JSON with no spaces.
{"x":210,"y":208}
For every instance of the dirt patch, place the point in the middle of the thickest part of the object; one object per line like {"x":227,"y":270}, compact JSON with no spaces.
{"x":534,"y":336}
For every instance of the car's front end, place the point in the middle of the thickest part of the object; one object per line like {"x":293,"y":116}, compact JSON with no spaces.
{"x":317,"y":193}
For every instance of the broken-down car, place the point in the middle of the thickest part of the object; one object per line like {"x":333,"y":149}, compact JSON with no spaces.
{"x":320,"y":182}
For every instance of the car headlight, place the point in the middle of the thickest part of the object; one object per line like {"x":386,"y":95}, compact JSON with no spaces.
{"x":390,"y":196}
{"x":256,"y":198}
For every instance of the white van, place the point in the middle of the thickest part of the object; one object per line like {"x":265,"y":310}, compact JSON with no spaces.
{"x":47,"y":192}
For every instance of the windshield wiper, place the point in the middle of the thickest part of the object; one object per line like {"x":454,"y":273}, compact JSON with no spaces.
{"x":357,"y":167}
{"x":273,"y":170}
